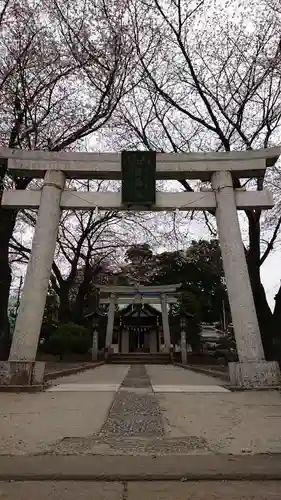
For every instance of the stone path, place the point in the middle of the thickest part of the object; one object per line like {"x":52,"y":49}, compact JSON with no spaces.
{"x":148,"y":411}
{"x":135,"y":410}
{"x":165,"y":378}
{"x":135,"y":423}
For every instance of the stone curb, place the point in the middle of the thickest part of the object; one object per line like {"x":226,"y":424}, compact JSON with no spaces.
{"x":234,"y":388}
{"x":141,"y":468}
{"x":70,"y":371}
{"x":225,"y":379}
{"x":123,"y":478}
{"x":22,"y":388}
{"x":206,"y":371}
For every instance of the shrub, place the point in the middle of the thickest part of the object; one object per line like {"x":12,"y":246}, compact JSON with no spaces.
{"x":47,"y":330}
{"x":68,"y":338}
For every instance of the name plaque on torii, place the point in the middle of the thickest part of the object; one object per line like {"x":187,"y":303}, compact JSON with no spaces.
{"x":138,"y":175}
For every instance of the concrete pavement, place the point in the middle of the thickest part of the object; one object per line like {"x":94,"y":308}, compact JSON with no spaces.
{"x":138,"y":491}
{"x":140,"y":468}
{"x":176,"y":376}
{"x":156,"y":411}
{"x":34,"y":423}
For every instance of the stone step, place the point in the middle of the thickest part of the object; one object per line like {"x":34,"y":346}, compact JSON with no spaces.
{"x":140,"y":358}
{"x":141,"y":355}
{"x":139,"y":362}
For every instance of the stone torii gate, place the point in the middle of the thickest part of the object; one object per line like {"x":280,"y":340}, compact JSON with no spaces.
{"x":218,"y":168}
{"x":139,"y":294}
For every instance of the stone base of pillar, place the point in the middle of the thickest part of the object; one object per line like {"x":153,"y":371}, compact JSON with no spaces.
{"x":153,"y":342}
{"x":22,"y":373}
{"x":94,"y":355}
{"x":183,"y":355}
{"x":125,"y":341}
{"x":183,"y":349}
{"x":95,"y":346}
{"x":255,"y":374}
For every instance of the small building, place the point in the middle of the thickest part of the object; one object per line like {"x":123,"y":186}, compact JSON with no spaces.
{"x":138,"y":328}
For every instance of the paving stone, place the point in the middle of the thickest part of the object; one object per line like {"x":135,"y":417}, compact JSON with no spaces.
{"x":189,"y":388}
{"x":205,"y":490}
{"x":62,"y":490}
{"x":176,"y":376}
{"x":174,"y":490}
{"x":84,"y":388}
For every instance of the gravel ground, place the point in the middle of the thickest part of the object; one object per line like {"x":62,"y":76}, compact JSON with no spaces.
{"x":137,"y":377}
{"x":115,"y":445}
{"x":134,"y":413}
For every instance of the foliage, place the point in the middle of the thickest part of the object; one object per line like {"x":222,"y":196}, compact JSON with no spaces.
{"x":69,"y":338}
{"x":199,"y":270}
{"x":139,"y":253}
{"x":47,"y":330}
{"x":188,"y":307}
{"x":51,"y":307}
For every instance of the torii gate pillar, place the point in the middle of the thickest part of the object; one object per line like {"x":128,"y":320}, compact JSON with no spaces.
{"x":22,"y":367}
{"x":252,"y":369}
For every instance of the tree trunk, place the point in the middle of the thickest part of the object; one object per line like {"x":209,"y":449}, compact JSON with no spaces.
{"x":83,"y":291}
{"x":5,"y":282}
{"x":276,"y":325}
{"x":264,"y":313}
{"x":265,"y":319}
{"x":64,"y":305}
{"x":277,"y":314}
{"x":7,"y":223}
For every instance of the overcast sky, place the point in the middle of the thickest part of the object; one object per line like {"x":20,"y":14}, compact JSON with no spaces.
{"x":271,"y":275}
